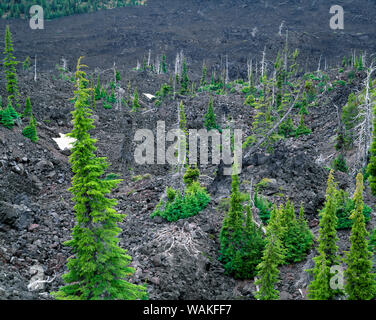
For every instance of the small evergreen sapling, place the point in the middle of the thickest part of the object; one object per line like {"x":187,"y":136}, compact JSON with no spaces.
{"x":250,"y":100}
{"x":163,"y":64}
{"x":191,"y":175}
{"x":184,"y":79}
{"x":180,"y":206}
{"x":26,"y":64}
{"x":6,"y":118}
{"x":30,"y":131}
{"x":204,"y":75}
{"x":302,"y":129}
{"x":117,"y":76}
{"x":210,"y":117}
{"x":135,"y":102}
{"x":98,"y":94}
{"x":13,"y":112}
{"x":28,"y":108}
{"x":339,"y":163}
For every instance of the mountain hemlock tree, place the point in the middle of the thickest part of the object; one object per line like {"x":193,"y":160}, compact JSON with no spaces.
{"x":26,"y":64}
{"x":203,"y":76}
{"x":328,"y":222}
{"x":163,"y":64}
{"x":30,"y":131}
{"x":117,"y":76}
{"x":6,"y":118}
{"x":184,"y":80}
{"x":97,"y":91}
{"x":13,"y":112}
{"x":28,"y":108}
{"x":135,"y":103}
{"x":210,"y":117}
{"x":297,"y":239}
{"x":268,"y":272}
{"x":349,"y":118}
{"x":9,"y":64}
{"x":273,"y":255}
{"x":319,"y":288}
{"x":360,"y":281}
{"x":302,"y":129}
{"x":241,"y":242}
{"x":99,"y":266}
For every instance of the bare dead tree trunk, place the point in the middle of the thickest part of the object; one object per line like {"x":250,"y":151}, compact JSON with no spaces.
{"x":182,"y":153}
{"x":227,"y":76}
{"x":35,"y":68}
{"x":280,"y":28}
{"x":249,"y":71}
{"x":319,"y":66}
{"x":263,"y":63}
{"x":273,"y":92}
{"x":149,"y":57}
{"x":286,"y":50}
{"x":365,"y":128}
{"x":255,"y":217}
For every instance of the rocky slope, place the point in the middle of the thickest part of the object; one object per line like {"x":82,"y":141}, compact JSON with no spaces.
{"x":176,"y":260}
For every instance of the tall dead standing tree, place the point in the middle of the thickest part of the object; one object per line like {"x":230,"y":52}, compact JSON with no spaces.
{"x":365,"y":127}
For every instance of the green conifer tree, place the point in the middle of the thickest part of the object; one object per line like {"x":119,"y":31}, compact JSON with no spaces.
{"x":98,"y":94}
{"x":9,"y":64}
{"x":203,"y":76}
{"x":302,"y":129}
{"x":112,"y":97}
{"x":28,"y":109}
{"x":99,"y":267}
{"x":319,"y":288}
{"x":117,"y":76}
{"x":210,"y":117}
{"x":250,"y":100}
{"x":297,"y":239}
{"x":268,"y":272}
{"x":360,"y":281}
{"x":13,"y":112}
{"x":241,"y":243}
{"x":350,"y":119}
{"x":184,"y":80}
{"x":6,"y":117}
{"x":135,"y":103}
{"x":328,"y":222}
{"x":191,"y":175}
{"x":163,"y":64}
{"x":30,"y":131}
{"x":26,"y":64}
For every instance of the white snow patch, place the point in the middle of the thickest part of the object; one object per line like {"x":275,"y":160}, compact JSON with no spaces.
{"x":149,"y":96}
{"x":64,"y":142}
